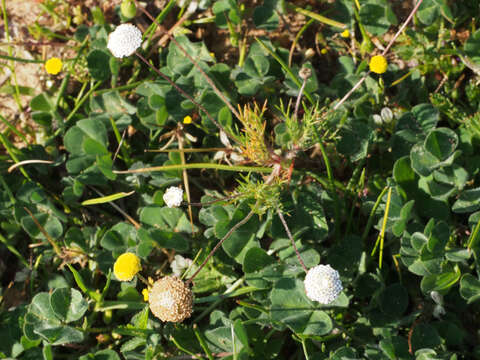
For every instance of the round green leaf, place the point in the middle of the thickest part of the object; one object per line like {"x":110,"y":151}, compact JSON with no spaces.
{"x":68,"y":304}
{"x":98,"y":65}
{"x":41,"y":103}
{"x":377,"y":17}
{"x":256,"y":259}
{"x":291,"y":306}
{"x":440,"y":282}
{"x":423,"y":162}
{"x":394,"y":300}
{"x":113,"y":241}
{"x":425,"y":336}
{"x":470,"y":288}
{"x":441,"y":143}
{"x":265,"y":17}
{"x":468,"y":201}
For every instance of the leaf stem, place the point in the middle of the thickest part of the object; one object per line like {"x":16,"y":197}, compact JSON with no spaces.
{"x":82,"y":100}
{"x":286,"y":68}
{"x":289,"y":234}
{"x":181,"y":91}
{"x":189,"y":57}
{"x":202,"y":342}
{"x":227,"y":235}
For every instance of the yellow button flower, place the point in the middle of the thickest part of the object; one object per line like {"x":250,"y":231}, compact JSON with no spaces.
{"x":378,"y":64}
{"x":187,"y":119}
{"x":345,"y":33}
{"x":53,"y":65}
{"x":324,"y":51}
{"x":126,"y":266}
{"x":145,"y":294}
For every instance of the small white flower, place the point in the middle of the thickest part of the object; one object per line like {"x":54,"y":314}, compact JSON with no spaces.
{"x":323,"y":284}
{"x":387,"y":115}
{"x":173,"y":197}
{"x":179,"y":264}
{"x":377,"y":119}
{"x":124,"y":40}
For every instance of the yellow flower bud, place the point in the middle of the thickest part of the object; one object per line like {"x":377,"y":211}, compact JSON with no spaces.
{"x":345,"y":33}
{"x":145,"y":294}
{"x":378,"y":64}
{"x":126,"y":266}
{"x":53,"y":65}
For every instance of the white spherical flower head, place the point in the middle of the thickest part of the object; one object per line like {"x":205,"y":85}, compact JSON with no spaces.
{"x":124,"y":40}
{"x":173,"y":197}
{"x":323,"y":284}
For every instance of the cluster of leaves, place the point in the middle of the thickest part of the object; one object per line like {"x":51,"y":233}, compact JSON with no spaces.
{"x":351,"y":187}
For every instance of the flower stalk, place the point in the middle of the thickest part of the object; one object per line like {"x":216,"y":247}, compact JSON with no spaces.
{"x":289,"y":234}
{"x":227,"y":235}
{"x":181,"y":91}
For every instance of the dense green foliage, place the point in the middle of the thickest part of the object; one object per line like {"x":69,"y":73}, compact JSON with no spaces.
{"x":384,"y":188}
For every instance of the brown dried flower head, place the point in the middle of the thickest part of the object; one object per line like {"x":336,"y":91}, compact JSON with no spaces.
{"x":171,"y":299}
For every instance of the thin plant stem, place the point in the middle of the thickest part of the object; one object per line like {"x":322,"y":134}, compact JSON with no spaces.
{"x":151,"y":29}
{"x":227,"y":235}
{"x":289,"y":234}
{"x":297,"y":38}
{"x":189,"y":57}
{"x":304,"y":347}
{"x":372,"y":214}
{"x":384,"y":226}
{"x":215,"y":201}
{"x":14,"y":251}
{"x":118,"y":137}
{"x":473,"y":237}
{"x":299,"y":97}
{"x":191,"y":265}
{"x":381,"y":236}
{"x":7,"y":190}
{"x":14,"y":129}
{"x":384,"y":52}
{"x":404,"y":25}
{"x":351,"y":91}
{"x":202,"y":342}
{"x":63,"y":85}
{"x":318,"y":17}
{"x":181,"y":348}
{"x":197,"y":166}
{"x":181,"y":91}
{"x":189,"y":150}
{"x":185,"y":178}
{"x":44,"y":232}
{"x":17,"y":59}
{"x":25,"y":162}
{"x":119,"y":88}
{"x":9,"y":147}
{"x":230,"y":290}
{"x":119,"y":209}
{"x":80,"y":103}
{"x":331,"y":185}
{"x":286,"y":68}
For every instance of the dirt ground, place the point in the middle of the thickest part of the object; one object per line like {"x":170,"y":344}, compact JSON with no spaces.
{"x":20,"y":14}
